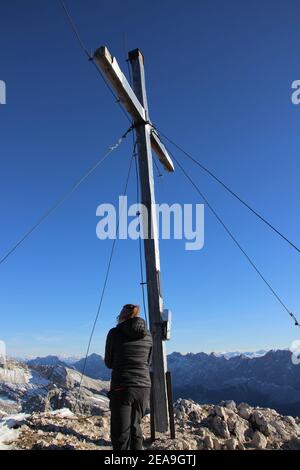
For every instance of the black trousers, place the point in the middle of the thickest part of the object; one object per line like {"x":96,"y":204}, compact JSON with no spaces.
{"x":127,"y":408}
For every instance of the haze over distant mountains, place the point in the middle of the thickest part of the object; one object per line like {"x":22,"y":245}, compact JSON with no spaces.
{"x":267,"y":379}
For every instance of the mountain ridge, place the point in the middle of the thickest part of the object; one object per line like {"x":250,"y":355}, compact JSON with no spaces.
{"x":267,"y":379}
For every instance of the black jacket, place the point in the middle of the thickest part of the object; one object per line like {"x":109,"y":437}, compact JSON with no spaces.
{"x":128,"y":352}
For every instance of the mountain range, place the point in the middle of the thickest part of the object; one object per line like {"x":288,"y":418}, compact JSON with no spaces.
{"x":271,"y":380}
{"x":267,"y":379}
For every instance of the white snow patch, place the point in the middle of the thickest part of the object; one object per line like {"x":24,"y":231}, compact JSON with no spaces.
{"x":63,"y":413}
{"x":7,"y":400}
{"x":6,"y":436}
{"x":75,"y":375}
{"x":7,"y":431}
{"x":101,"y":399}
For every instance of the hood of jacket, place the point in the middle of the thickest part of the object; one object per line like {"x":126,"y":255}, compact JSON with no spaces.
{"x":134,"y":328}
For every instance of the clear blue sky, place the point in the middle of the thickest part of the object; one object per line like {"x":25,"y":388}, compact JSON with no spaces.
{"x":219,"y":80}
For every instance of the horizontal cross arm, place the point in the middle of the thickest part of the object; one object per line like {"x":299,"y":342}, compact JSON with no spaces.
{"x":110,"y":67}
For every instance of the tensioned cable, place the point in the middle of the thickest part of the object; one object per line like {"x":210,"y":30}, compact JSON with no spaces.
{"x":233,"y":193}
{"x":105,"y":282}
{"x":142,"y":283}
{"x":236,"y":241}
{"x":87,"y":53}
{"x":65,"y":196}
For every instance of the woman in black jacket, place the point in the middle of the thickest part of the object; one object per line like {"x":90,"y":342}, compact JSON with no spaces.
{"x":128,"y":353}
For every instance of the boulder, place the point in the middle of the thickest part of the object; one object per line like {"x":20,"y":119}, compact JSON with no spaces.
{"x":208,"y":443}
{"x":217,"y":444}
{"x":220,"y":427}
{"x":220,"y":411}
{"x":229,"y":404}
{"x":244,"y":410}
{"x":259,"y":441}
{"x":260,"y":423}
{"x":241,"y":429}
{"x":232,"y":443}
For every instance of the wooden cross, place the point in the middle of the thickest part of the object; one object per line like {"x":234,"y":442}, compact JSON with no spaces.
{"x":135,"y":102}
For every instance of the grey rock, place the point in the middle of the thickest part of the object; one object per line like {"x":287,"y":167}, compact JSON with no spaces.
{"x":244,"y":410}
{"x":209,"y":443}
{"x":232,"y":443}
{"x":259,"y":441}
{"x":229,"y":404}
{"x":290,"y":420}
{"x":259,"y":422}
{"x":220,"y":411}
{"x":220,"y":427}
{"x":217,"y":444}
{"x":241,"y":429}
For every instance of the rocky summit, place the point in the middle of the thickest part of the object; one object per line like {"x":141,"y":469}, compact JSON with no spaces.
{"x":226,"y":426}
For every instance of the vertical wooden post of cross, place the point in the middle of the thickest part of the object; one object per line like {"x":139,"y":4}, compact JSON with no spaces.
{"x":155,"y":302}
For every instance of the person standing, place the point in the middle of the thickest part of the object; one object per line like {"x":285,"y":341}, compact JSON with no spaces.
{"x":128,"y":352}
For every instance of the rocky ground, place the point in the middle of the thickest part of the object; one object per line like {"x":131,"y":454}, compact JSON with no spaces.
{"x":212,"y":427}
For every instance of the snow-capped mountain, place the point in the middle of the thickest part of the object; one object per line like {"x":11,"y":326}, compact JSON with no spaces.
{"x":25,"y":387}
{"x":69,"y":360}
{"x":250,"y":354}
